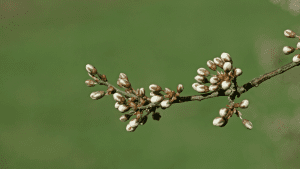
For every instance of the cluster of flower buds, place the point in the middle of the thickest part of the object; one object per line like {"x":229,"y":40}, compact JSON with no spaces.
{"x":288,"y":49}
{"x":228,"y":111}
{"x":221,"y":80}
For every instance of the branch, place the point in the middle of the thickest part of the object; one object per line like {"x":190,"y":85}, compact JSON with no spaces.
{"x":134,"y":102}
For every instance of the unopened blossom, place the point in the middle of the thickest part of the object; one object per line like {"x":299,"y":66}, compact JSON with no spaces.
{"x":203,"y":72}
{"x":200,"y":78}
{"x":130,"y":128}
{"x":117,"y":97}
{"x":142,"y":92}
{"x":194,"y":85}
{"x":90,"y":83}
{"x":179,"y":88}
{"x":97,"y":95}
{"x":156,"y":99}
{"x":298,"y":45}
{"x":296,"y":58}
{"x":227,"y":66}
{"x":219,"y":62}
{"x":212,"y":65}
{"x":213,"y":87}
{"x":237,"y":72}
{"x":288,"y":50}
{"x":214,"y":80}
{"x":219,"y":121}
{"x":225,"y":85}
{"x":125,"y":83}
{"x":244,"y":104}
{"x":91,"y":69}
{"x":123,"y":76}
{"x":124,"y":117}
{"x":165,"y":104}
{"x":202,"y":89}
{"x":223,"y":112}
{"x":289,"y":33}
{"x":117,"y":105}
{"x":225,"y":57}
{"x":155,"y":88}
{"x":247,"y":124}
{"x":123,"y":108}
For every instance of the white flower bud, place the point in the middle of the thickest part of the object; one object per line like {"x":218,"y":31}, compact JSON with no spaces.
{"x":90,"y":83}
{"x":124,"y":118}
{"x":199,"y":78}
{"x":123,"y":76}
{"x":219,"y":121}
{"x":225,"y":57}
{"x":237,"y":72}
{"x":227,"y":66}
{"x":194,"y":85}
{"x":225,"y":85}
{"x":214,"y":80}
{"x":123,"y":108}
{"x":152,"y":94}
{"x":167,"y":90}
{"x":179,"y":88}
{"x":211,"y":65}
{"x":219,"y":62}
{"x":155,"y":88}
{"x":247,"y":124}
{"x":296,"y":58}
{"x":133,"y":122}
{"x":165,"y":104}
{"x":117,"y":105}
{"x":130,"y":129}
{"x":142,"y":92}
{"x":125,"y":83}
{"x":298,"y":45}
{"x":213,"y":87}
{"x":117,"y":97}
{"x":97,"y":95}
{"x":223,"y":112}
{"x":289,"y":33}
{"x":156,"y":99}
{"x":202,"y":89}
{"x":203,"y":72}
{"x":244,"y":104}
{"x":288,"y":50}
{"x":91,"y":69}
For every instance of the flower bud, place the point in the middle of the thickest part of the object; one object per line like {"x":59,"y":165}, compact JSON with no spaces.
{"x":125,"y":83}
{"x":144,"y":120}
{"x":202,"y":88}
{"x":118,"y":97}
{"x":223,"y":112}
{"x":244,"y":104}
{"x":211,"y":65}
{"x":124,"y":117}
{"x":155,"y":88}
{"x":219,"y":121}
{"x":225,"y":85}
{"x":90,"y":83}
{"x":296,"y":58}
{"x":123,"y":76}
{"x":237,"y":72}
{"x":91,"y":69}
{"x":219,"y":62}
{"x":288,"y":50}
{"x":165,"y":104}
{"x":167,"y":90}
{"x":156,"y":99}
{"x":130,"y":128}
{"x":247,"y":124}
{"x":97,"y":95}
{"x":200,"y":78}
{"x":123,"y":108}
{"x":134,"y":122}
{"x":142,"y":92}
{"x":117,"y":105}
{"x":179,"y":88}
{"x":203,"y":72}
{"x":225,"y":57}
{"x":227,"y":66}
{"x":298,"y":45}
{"x":213,"y":87}
{"x":214,"y":80}
{"x":289,"y":33}
{"x":194,"y":85}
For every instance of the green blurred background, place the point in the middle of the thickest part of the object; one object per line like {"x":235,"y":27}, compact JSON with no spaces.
{"x":48,"y":119}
